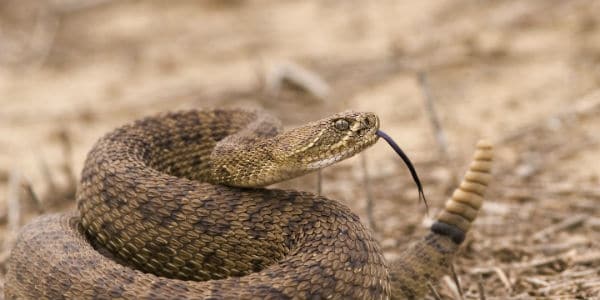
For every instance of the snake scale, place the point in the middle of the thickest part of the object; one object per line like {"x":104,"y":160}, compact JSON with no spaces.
{"x":172,"y":207}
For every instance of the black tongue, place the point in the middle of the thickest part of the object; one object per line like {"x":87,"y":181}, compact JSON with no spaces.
{"x":408,"y":163}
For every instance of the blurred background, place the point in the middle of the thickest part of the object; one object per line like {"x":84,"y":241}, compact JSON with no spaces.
{"x":440,"y":75}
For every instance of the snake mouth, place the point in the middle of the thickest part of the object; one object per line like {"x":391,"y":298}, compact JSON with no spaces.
{"x":323,"y":162}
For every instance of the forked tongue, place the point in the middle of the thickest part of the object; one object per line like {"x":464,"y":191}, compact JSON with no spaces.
{"x":408,"y":163}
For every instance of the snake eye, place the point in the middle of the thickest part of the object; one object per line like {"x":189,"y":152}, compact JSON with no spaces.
{"x":341,"y":124}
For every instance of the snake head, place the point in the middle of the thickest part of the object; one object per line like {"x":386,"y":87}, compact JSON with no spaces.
{"x":269,"y":159}
{"x":321,"y":143}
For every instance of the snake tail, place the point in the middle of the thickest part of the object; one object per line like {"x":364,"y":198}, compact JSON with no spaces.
{"x":426,"y":261}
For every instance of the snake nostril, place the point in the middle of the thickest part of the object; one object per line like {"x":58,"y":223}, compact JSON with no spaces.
{"x":370,"y":121}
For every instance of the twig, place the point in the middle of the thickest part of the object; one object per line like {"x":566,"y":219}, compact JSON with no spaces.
{"x":586,"y":258}
{"x":536,"y":281}
{"x":433,"y":291}
{"x":524,"y":265}
{"x":76,"y":6}
{"x":561,"y":285}
{"x":434,"y":120}
{"x":52,"y":187}
{"x":298,"y":77}
{"x":555,"y":248}
{"x":560,"y":152}
{"x":570,"y":273}
{"x":456,"y":281}
{"x":368,"y":193}
{"x":553,"y":189}
{"x":480,"y":288}
{"x":541,"y":261}
{"x":571,"y":222}
{"x":67,"y":168}
{"x":44,"y":35}
{"x":585,"y":106}
{"x":14,"y":209}
{"x":3,"y":175}
{"x":33,"y":197}
{"x":453,"y":287}
{"x":14,"y":201}
{"x":504,"y":279}
{"x":440,"y":134}
{"x":4,"y":255}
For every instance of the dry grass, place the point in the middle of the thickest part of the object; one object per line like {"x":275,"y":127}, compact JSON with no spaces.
{"x":439,"y":74}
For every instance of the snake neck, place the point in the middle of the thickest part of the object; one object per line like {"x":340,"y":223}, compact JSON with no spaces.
{"x":260,"y":169}
{"x":421,"y":265}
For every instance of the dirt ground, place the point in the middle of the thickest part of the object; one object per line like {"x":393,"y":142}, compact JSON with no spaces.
{"x":440,"y":75}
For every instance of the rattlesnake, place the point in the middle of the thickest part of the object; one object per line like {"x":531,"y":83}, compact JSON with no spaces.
{"x":154,"y":221}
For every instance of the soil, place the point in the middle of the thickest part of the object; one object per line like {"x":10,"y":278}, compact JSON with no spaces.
{"x":440,"y":75}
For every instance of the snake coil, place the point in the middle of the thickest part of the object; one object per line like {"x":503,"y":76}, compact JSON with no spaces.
{"x":155,"y":222}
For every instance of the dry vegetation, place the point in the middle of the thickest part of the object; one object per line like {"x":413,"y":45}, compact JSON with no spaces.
{"x":440,"y":74}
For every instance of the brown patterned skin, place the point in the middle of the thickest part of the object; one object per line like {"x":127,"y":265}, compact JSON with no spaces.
{"x":149,"y":203}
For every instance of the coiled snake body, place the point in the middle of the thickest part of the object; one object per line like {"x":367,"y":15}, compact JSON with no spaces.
{"x":159,"y":218}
